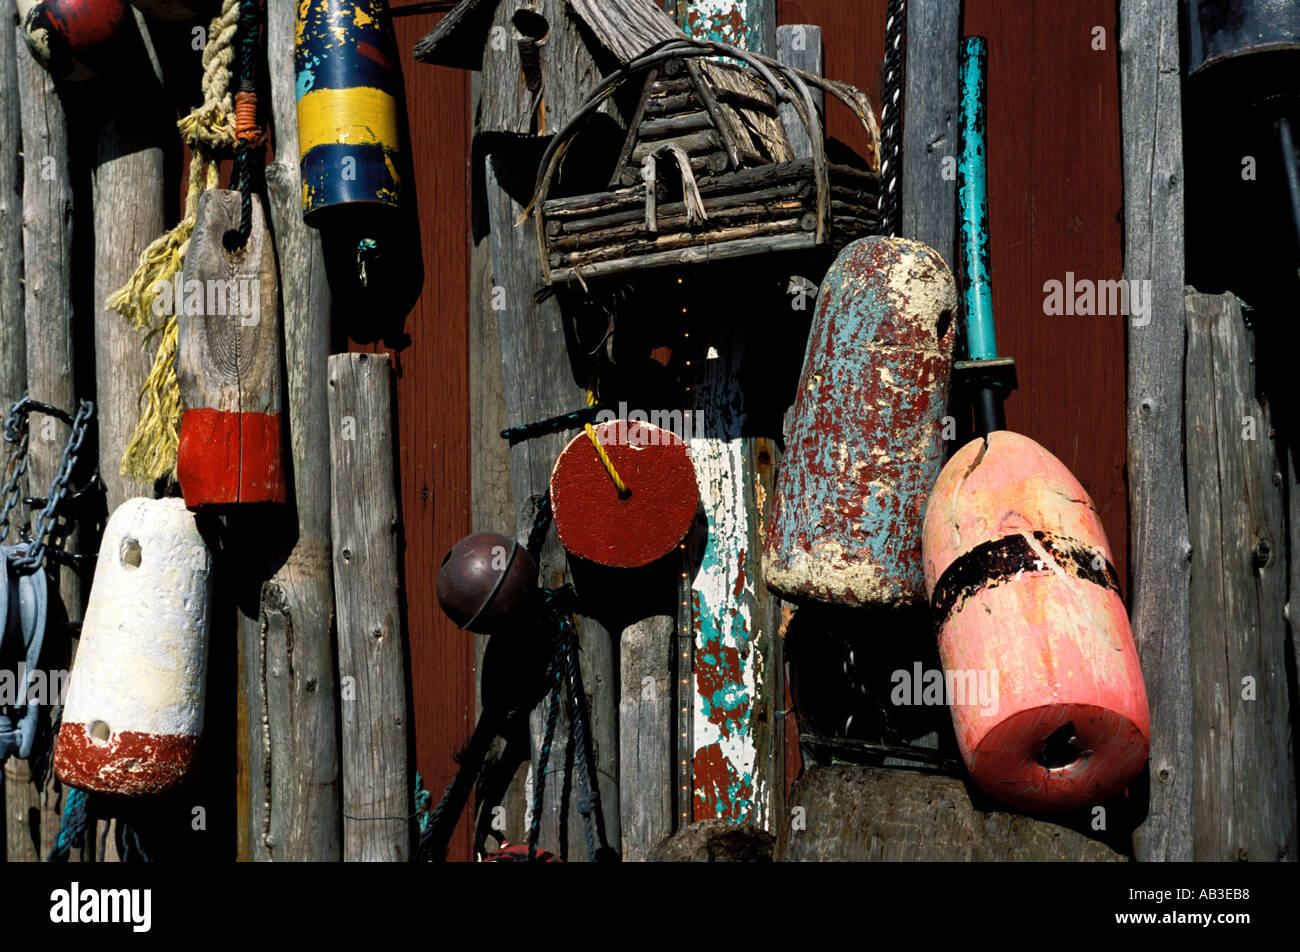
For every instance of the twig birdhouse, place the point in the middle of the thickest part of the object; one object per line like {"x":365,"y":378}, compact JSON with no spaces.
{"x":707,"y":171}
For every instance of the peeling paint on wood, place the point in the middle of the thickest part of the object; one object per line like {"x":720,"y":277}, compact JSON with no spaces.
{"x":865,"y":438}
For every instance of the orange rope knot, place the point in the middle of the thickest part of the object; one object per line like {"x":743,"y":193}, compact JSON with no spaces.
{"x":246,"y":127}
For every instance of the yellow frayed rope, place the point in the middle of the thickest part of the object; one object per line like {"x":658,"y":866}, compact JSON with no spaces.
{"x":209,"y":130}
{"x":608,"y":463}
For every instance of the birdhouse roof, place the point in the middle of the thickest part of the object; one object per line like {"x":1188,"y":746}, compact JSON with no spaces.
{"x":626,"y":28}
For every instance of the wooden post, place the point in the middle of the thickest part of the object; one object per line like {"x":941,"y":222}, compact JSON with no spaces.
{"x":13,"y":348}
{"x":50,"y":316}
{"x":1245,"y":778}
{"x":499,"y":797}
{"x":801,"y":47}
{"x":1160,"y":553}
{"x":365,"y":528}
{"x":930,"y":125}
{"x":288,"y":654}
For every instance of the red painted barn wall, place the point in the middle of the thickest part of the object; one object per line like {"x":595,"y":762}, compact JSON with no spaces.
{"x":433,"y":412}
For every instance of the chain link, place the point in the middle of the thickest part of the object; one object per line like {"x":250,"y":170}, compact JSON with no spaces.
{"x":18,"y":430}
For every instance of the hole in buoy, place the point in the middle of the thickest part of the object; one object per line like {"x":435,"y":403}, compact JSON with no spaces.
{"x":130,"y":554}
{"x":99,"y":732}
{"x":625,"y":494}
{"x":232,"y":241}
{"x":532,"y":25}
{"x":1062,"y":749}
{"x":945,"y":321}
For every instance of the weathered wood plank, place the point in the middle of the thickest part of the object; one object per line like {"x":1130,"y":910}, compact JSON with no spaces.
{"x":1245,"y":777}
{"x":915,"y":816}
{"x":539,"y":383}
{"x":690,"y":257}
{"x":1160,"y":550}
{"x":13,"y":347}
{"x":365,"y":528}
{"x":49,"y":300}
{"x":930,"y":126}
{"x":800,"y":46}
{"x":293,"y":748}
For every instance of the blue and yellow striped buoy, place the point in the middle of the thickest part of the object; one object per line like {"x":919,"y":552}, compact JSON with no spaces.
{"x":348,"y":120}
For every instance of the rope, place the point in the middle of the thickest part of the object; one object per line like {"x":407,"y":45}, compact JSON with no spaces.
{"x":623,"y":491}
{"x":72,"y":831}
{"x":541,"y":522}
{"x":890,"y":110}
{"x":209,"y":130}
{"x":589,"y":801}
{"x":247,"y":131}
{"x":543,"y":758}
{"x":566,"y":421}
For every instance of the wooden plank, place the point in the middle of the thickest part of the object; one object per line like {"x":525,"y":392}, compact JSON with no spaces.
{"x":365,"y":527}
{"x":800,"y":46}
{"x":539,"y":383}
{"x":287,"y":651}
{"x":1245,"y":778}
{"x":836,"y":828}
{"x":738,"y":215}
{"x":673,"y":209}
{"x":930,"y":128}
{"x":1158,"y":598}
{"x":499,"y":796}
{"x":688,"y":257}
{"x":13,"y":346}
{"x":655,"y":246}
{"x":51,"y":309}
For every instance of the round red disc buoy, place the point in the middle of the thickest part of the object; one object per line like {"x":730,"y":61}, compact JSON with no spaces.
{"x":591,"y":519}
{"x":73,"y":39}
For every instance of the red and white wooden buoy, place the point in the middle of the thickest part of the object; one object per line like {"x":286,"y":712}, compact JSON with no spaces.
{"x":74,"y":39}
{"x":1026,"y":598}
{"x":625,"y":530}
{"x":134,"y":711}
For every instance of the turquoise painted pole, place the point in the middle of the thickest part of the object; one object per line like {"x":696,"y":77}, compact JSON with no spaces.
{"x":972,"y":192}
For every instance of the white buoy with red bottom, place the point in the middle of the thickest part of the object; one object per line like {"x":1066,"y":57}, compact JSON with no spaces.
{"x":134,"y":710}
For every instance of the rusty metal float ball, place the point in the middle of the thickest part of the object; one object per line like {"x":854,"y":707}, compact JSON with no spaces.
{"x":484,"y":580}
{"x":72,"y":38}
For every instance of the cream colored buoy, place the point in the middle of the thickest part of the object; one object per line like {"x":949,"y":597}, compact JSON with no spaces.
{"x":135,"y":700}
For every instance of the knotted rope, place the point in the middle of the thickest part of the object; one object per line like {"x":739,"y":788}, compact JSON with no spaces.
{"x":210,"y":131}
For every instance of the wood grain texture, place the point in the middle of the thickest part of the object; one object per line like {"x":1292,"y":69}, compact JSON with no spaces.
{"x":287,"y":639}
{"x":49,"y":309}
{"x":1245,"y":778}
{"x":800,"y":46}
{"x":903,"y":802}
{"x":1161,"y":552}
{"x":13,"y":346}
{"x":539,"y":384}
{"x":645,"y":726}
{"x":366,"y":528}
{"x":931,"y":124}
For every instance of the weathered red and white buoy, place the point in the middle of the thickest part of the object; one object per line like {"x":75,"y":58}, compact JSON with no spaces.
{"x":625,"y":530}
{"x":74,"y":39}
{"x":1026,"y":599}
{"x":865,"y":441}
{"x":134,"y":711}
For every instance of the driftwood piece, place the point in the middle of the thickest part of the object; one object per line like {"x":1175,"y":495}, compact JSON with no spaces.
{"x":637,"y":249}
{"x":676,"y":126}
{"x":365,"y":527}
{"x":914,"y":816}
{"x":698,"y":143}
{"x":930,"y":124}
{"x":633,"y":129}
{"x":671,"y":224}
{"x":288,"y":653}
{"x":800,"y":46}
{"x":48,"y":315}
{"x":1160,"y":553}
{"x":539,"y":384}
{"x":722,"y":121}
{"x":689,"y":257}
{"x":228,"y":361}
{"x":671,"y":105}
{"x":1245,"y":776}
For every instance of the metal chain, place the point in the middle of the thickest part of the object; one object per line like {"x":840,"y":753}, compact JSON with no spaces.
{"x":891,"y":129}
{"x":17,"y":430}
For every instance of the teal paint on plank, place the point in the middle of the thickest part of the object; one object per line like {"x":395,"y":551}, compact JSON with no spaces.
{"x":972,"y":196}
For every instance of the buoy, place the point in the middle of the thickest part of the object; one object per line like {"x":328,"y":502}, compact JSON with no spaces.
{"x":231,"y":447}
{"x":134,"y":709}
{"x":484,"y":581}
{"x":1042,"y":675}
{"x":73,"y":39}
{"x":176,"y":11}
{"x":865,"y":441}
{"x":348,"y":114}
{"x":597,"y":521}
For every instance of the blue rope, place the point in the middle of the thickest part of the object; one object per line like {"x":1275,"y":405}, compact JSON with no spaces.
{"x":566,"y":421}
{"x":543,"y":757}
{"x":72,"y":831}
